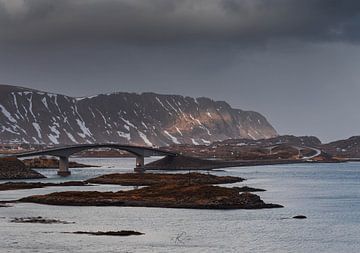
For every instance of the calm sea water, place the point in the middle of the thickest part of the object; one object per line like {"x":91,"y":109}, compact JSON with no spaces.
{"x":328,"y":194}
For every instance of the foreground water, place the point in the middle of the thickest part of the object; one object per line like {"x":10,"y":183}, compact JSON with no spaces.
{"x":328,"y":194}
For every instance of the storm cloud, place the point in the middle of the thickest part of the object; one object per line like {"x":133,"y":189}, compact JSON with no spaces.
{"x":174,"y":21}
{"x":295,"y":61}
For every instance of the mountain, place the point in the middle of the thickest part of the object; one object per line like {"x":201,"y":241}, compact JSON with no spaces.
{"x":36,"y":117}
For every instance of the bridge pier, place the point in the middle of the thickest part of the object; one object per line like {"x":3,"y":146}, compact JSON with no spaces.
{"x":63,"y":153}
{"x":64,"y":166}
{"x":140,"y":161}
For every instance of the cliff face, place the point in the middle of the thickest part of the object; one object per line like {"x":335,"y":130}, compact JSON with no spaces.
{"x":31,"y":116}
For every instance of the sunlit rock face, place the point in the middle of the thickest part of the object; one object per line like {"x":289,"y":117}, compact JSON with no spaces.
{"x":36,"y":117}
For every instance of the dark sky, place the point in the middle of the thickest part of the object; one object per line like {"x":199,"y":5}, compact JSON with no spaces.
{"x":295,"y":61}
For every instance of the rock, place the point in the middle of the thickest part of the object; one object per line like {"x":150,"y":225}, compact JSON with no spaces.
{"x":40,"y":220}
{"x":198,"y":196}
{"x":12,"y":168}
{"x":110,"y":233}
{"x":299,"y":217}
{"x":24,"y":185}
{"x":136,"y":179}
{"x":248,"y":189}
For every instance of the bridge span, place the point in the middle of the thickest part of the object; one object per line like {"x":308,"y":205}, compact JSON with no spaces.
{"x":63,"y":153}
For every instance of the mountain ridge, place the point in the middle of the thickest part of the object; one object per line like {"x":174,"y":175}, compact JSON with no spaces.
{"x":39,"y":117}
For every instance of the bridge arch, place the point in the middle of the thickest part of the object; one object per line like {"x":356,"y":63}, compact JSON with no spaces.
{"x":63,"y":153}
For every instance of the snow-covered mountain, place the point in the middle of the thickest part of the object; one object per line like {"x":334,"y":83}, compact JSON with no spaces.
{"x":31,"y":116}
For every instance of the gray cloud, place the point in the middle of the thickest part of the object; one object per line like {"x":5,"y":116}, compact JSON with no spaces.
{"x":164,"y":21}
{"x":295,"y":61}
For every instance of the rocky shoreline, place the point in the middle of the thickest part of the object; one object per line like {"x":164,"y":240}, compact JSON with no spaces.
{"x":12,"y":168}
{"x":193,"y":190}
{"x":24,"y":185}
{"x":41,"y":162}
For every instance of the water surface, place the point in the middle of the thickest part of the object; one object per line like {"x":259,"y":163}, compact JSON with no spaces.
{"x":328,"y":194}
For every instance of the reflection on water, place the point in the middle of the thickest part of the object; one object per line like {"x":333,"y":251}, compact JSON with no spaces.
{"x":328,"y":194}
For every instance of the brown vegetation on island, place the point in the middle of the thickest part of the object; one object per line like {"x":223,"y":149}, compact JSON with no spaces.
{"x":193,"y":190}
{"x":139,"y":179}
{"x":12,"y":168}
{"x":171,"y":196}
{"x":25,"y":185}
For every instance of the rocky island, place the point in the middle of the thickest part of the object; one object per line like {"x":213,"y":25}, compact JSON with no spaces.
{"x":12,"y":168}
{"x":108,"y":233}
{"x":25,"y":185}
{"x":141,"y":179}
{"x":43,"y":162}
{"x":192,"y":190}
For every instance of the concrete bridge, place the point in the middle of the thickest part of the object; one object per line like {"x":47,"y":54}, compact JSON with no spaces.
{"x":63,"y":153}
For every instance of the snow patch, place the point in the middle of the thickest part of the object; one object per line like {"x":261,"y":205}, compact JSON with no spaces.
{"x":194,"y":142}
{"x":16,"y":105}
{"x":198,"y":121}
{"x":31,"y":106}
{"x":71,"y":137}
{"x":7,"y":114}
{"x":56,"y":103}
{"x":82,"y":98}
{"x":38,"y":129}
{"x":43,"y":100}
{"x":251,"y":136}
{"x":84,"y":129}
{"x":178,"y":130}
{"x":128,"y":123}
{"x":92,"y":113}
{"x":173,"y":138}
{"x":124,"y":135}
{"x":205,"y":141}
{"x":145,"y":139}
{"x":103,"y":117}
{"x":36,"y":141}
{"x":142,"y":122}
{"x":160,"y":102}
{"x":55,"y":136}
{"x":9,"y":130}
{"x":172,"y":106}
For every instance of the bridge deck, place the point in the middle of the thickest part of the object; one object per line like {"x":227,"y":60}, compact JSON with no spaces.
{"x":64,"y":152}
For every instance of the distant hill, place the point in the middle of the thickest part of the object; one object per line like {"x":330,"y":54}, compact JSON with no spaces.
{"x":37,"y":117}
{"x":240,"y":148}
{"x":349,"y":148}
{"x":301,"y":141}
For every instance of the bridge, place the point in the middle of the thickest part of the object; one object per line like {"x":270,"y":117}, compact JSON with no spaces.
{"x":63,"y":153}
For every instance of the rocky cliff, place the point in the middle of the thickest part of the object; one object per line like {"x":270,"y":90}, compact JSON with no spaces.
{"x":31,"y":116}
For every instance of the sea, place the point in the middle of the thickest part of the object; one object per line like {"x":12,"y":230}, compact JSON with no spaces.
{"x":327,"y":194}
